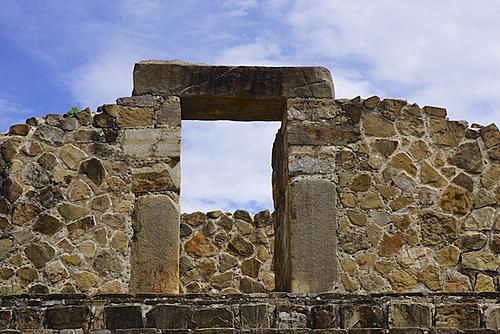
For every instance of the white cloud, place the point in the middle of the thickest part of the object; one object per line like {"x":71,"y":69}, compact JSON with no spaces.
{"x":12,"y":113}
{"x":260,"y":52}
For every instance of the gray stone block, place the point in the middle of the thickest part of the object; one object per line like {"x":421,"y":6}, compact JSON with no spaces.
{"x":155,"y":247}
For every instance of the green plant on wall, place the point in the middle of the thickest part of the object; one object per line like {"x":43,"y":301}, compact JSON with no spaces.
{"x":71,"y":112}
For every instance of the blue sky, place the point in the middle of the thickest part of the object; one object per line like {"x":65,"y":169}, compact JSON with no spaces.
{"x":57,"y":54}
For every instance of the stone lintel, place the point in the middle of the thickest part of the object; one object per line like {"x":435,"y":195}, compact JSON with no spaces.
{"x":230,"y":92}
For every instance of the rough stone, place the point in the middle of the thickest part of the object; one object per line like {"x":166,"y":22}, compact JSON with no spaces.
{"x":80,"y":191}
{"x":214,"y":317}
{"x":200,"y":246}
{"x":56,"y":271}
{"x":29,"y":318}
{"x":24,"y":212}
{"x":94,"y":170}
{"x":481,"y":260}
{"x":101,"y":203}
{"x":80,"y":227}
{"x":361,"y":182}
{"x":385,"y":146}
{"x":492,"y":315}
{"x":169,"y":317}
{"x":403,"y":162}
{"x":435,"y":111}
{"x":371,"y":200}
{"x":117,"y":317}
{"x":468,"y":157}
{"x":155,"y":250}
{"x":463,"y":316}
{"x":48,"y":225}
{"x":251,"y":267}
{"x":447,"y":133}
{"x":39,"y":253}
{"x":134,"y":117}
{"x":148,"y":143}
{"x":361,"y":316}
{"x":455,"y":200}
{"x":65,"y":317}
{"x":240,"y":246}
{"x":448,"y":256}
{"x":50,"y":134}
{"x":437,"y":228}
{"x":72,"y":155}
{"x":484,"y":283}
{"x":85,"y":280}
{"x":248,"y":285}
{"x":404,"y":315}
{"x":71,"y":211}
{"x":481,"y":219}
{"x":490,"y":135}
{"x":391,"y":244}
{"x":322,"y":133}
{"x":108,"y":264}
{"x":6,"y":246}
{"x":428,"y":175}
{"x":376,"y":125}
{"x":159,"y":177}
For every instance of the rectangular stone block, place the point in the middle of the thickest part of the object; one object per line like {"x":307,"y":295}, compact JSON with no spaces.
{"x":290,"y":316}
{"x":410,"y":315}
{"x":29,"y":318}
{"x":254,"y":316}
{"x":323,"y":317}
{"x":361,"y":316}
{"x":185,"y":79}
{"x":169,"y":317}
{"x":134,"y":117}
{"x":159,"y":177}
{"x":463,"y":316}
{"x":155,"y":246}
{"x":169,"y":112}
{"x":214,"y":317}
{"x":314,"y":110}
{"x":322,"y":133}
{"x":312,"y":236}
{"x":150,"y":143}
{"x":310,"y":160}
{"x":67,"y":317}
{"x":123,"y":317}
{"x":5,"y":319}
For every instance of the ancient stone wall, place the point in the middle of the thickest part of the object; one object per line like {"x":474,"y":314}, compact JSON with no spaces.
{"x":418,"y":206}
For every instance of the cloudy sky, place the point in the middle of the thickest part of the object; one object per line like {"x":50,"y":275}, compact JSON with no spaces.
{"x":55,"y":54}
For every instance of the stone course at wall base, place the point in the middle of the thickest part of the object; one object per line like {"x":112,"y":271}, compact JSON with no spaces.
{"x":252,"y":313}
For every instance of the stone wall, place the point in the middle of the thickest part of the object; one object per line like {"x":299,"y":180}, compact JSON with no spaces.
{"x":272,"y":313}
{"x":227,"y":253}
{"x":71,"y":193}
{"x":418,"y":206}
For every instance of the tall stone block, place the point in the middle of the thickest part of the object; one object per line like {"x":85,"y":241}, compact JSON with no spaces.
{"x":312,"y":236}
{"x":155,"y":246}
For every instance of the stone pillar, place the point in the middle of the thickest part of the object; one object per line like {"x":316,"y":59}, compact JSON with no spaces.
{"x":305,"y":194}
{"x":151,"y":145}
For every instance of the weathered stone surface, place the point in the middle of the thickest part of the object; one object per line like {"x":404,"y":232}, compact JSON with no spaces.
{"x":481,"y":260}
{"x":155,"y":248}
{"x":39,"y":253}
{"x":483,"y":198}
{"x":455,"y":200}
{"x":80,"y":227}
{"x":48,"y":225}
{"x":101,"y":203}
{"x":376,"y":125}
{"x":251,"y":267}
{"x":169,"y":317}
{"x":322,"y":133}
{"x":182,"y":79}
{"x":214,"y":317}
{"x":35,"y":176}
{"x":448,"y":256}
{"x":50,"y":134}
{"x":80,"y":191}
{"x":71,"y":155}
{"x":361,"y":316}
{"x":473,"y":240}
{"x":435,"y":111}
{"x":391,"y":244}
{"x":169,"y":112}
{"x":448,"y":133}
{"x":66,"y":317}
{"x":371,"y":200}
{"x":402,"y":161}
{"x":11,"y":189}
{"x":463,"y":316}
{"x":492,"y":315}
{"x":29,"y":318}
{"x":71,"y":211}
{"x":94,"y":170}
{"x":24,"y":212}
{"x":481,"y":219}
{"x":484,"y":283}
{"x":85,"y":280}
{"x":361,"y":182}
{"x":240,"y":246}
{"x":405,"y":315}
{"x":108,"y":264}
{"x":248,"y":285}
{"x":134,"y":117}
{"x":148,"y":143}
{"x":313,"y":213}
{"x":391,"y":108}
{"x":6,"y":245}
{"x":200,"y":246}
{"x":56,"y":271}
{"x":116,"y":317}
{"x":490,"y":135}
{"x":437,"y":228}
{"x":255,"y":316}
{"x":428,"y":175}
{"x":468,"y":157}
{"x":464,"y":181}
{"x":385,"y":146}
{"x":159,"y":177}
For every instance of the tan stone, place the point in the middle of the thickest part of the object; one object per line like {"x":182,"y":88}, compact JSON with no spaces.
{"x":361,"y":182}
{"x":481,"y":260}
{"x":391,"y":244}
{"x":371,"y":200}
{"x":373,"y":282}
{"x":80,"y":191}
{"x":490,"y":135}
{"x":101,"y":203}
{"x":430,"y":176}
{"x":72,"y":155}
{"x":386,"y":191}
{"x":130,"y":117}
{"x":350,"y":284}
{"x":200,"y":246}
{"x":484,"y":283}
{"x":71,"y":211}
{"x":348,"y":200}
{"x":63,"y":176}
{"x":6,"y":245}
{"x":85,"y":280}
{"x":24,"y":212}
{"x":357,"y":218}
{"x":431,"y":278}
{"x":435,"y":111}
{"x":56,"y":271}
{"x":376,"y":125}
{"x":455,"y":200}
{"x":365,"y":260}
{"x":385,"y":146}
{"x":73,"y":259}
{"x":251,"y":267}
{"x":448,"y":133}
{"x":481,"y":219}
{"x":456,"y":282}
{"x":87,"y":248}
{"x":119,"y":241}
{"x":262,"y":253}
{"x":448,"y":256}
{"x":111,"y":287}
{"x":402,"y":202}
{"x":468,"y":157}
{"x":403,"y":162}
{"x":419,"y":150}
{"x":101,"y":235}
